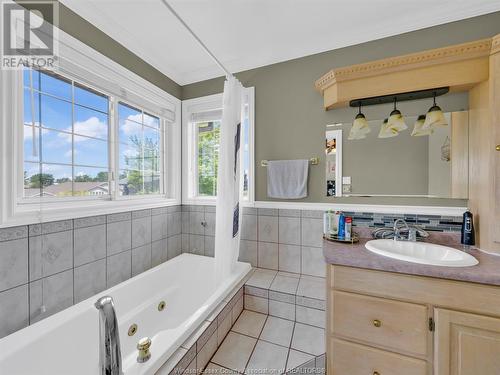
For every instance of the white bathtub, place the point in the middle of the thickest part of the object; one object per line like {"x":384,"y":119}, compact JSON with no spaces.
{"x":67,"y":343}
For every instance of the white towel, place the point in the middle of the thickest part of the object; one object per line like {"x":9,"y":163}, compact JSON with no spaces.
{"x":287,"y":179}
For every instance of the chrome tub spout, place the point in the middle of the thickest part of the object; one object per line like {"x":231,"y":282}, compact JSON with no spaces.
{"x":110,"y":358}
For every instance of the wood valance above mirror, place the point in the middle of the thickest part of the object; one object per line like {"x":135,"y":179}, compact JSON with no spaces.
{"x":459,"y":67}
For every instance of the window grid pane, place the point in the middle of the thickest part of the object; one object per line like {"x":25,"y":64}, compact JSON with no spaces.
{"x":69,"y":154}
{"x":139,"y":152}
{"x":208,"y":136}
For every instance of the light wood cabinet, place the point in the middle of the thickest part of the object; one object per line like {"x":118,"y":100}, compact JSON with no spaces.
{"x":354,"y":359}
{"x":466,"y":344}
{"x":387,"y":323}
{"x":484,"y":159}
{"x":495,"y":74}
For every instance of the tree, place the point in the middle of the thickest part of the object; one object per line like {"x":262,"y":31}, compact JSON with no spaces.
{"x":83,"y":178}
{"x":101,"y":177}
{"x":146,"y":161}
{"x":208,"y":159}
{"x":63,"y":180}
{"x":41,"y":179}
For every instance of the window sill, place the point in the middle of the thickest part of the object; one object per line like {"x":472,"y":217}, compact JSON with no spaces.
{"x":35,"y":213}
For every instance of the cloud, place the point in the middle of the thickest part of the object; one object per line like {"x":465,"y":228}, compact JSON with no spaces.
{"x":136,"y":118}
{"x":28,"y":133}
{"x":92,"y":127}
{"x":128,"y":127}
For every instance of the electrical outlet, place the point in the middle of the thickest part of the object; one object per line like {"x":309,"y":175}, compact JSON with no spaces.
{"x":346,"y":180}
{"x":346,"y":188}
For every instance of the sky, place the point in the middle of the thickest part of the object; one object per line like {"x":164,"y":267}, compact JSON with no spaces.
{"x":88,"y":134}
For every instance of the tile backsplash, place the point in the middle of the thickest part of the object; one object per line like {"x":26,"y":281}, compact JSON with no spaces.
{"x":47,"y":267}
{"x":427,"y":222}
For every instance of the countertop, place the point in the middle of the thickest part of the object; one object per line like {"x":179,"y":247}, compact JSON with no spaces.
{"x":356,"y":255}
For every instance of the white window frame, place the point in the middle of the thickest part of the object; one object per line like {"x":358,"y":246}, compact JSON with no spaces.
{"x":189,"y":147}
{"x":83,"y":64}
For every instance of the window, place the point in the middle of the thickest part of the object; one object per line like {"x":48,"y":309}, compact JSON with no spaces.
{"x":139,"y":151}
{"x":208,"y":157}
{"x":66,"y":131}
{"x":67,"y":149}
{"x":202,"y":119}
{"x":61,"y":146}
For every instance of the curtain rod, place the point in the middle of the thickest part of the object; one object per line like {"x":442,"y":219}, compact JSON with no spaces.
{"x":205,"y":48}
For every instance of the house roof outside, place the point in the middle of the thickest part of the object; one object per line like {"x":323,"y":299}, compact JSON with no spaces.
{"x":66,"y":187}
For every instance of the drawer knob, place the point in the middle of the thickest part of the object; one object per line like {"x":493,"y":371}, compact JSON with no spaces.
{"x":376,"y":373}
{"x":497,"y":148}
{"x":377,"y":323}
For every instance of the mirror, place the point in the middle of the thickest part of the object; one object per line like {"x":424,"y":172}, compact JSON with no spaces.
{"x":434,"y":166}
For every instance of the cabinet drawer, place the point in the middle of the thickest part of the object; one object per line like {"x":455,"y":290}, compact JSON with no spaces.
{"x":399,"y":326}
{"x":354,"y":359}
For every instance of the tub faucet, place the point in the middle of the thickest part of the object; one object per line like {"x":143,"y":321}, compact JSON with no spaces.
{"x":110,"y":358}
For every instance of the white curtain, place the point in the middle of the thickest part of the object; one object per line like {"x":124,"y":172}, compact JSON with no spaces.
{"x":228,"y":215}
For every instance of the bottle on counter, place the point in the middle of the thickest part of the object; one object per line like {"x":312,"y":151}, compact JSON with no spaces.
{"x":334,"y":230}
{"x":327,"y":222}
{"x":341,"y":232}
{"x":348,"y":228}
{"x":468,"y":238}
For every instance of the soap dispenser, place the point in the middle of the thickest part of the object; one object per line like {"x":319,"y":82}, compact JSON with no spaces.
{"x":468,"y":237}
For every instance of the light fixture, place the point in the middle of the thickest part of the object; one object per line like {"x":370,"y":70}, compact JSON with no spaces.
{"x":418,"y":129}
{"x":360,"y":127}
{"x":434,"y":117}
{"x":396,"y":120}
{"x":386,"y":131}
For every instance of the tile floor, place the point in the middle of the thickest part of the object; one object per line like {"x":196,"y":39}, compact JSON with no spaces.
{"x":289,"y":283}
{"x":262,"y":344}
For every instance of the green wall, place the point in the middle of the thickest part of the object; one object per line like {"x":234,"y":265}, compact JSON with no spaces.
{"x":289,"y":116}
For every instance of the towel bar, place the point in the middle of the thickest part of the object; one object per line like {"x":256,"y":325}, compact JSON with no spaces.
{"x":313,"y":161}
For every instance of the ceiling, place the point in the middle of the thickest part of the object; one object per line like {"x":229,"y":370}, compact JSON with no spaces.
{"x":246,"y":34}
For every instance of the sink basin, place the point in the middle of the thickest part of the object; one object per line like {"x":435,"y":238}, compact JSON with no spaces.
{"x":422,"y":253}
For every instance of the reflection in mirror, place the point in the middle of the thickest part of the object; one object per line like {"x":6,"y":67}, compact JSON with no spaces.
{"x":333,"y":151}
{"x":429,"y":165}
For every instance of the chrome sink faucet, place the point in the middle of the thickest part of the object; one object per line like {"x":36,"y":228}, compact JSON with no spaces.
{"x":397,"y":228}
{"x":110,"y":358}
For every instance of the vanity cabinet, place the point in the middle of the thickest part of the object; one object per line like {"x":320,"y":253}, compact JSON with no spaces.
{"x":384,"y":323}
{"x":466,"y":343}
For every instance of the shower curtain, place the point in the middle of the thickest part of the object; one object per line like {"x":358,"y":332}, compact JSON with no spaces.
{"x":228,"y":214}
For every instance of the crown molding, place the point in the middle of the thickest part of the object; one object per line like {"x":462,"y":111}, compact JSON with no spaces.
{"x":450,"y":54}
{"x":495,"y":44}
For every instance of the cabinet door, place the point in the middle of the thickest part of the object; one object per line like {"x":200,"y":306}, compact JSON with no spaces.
{"x":466,"y":344}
